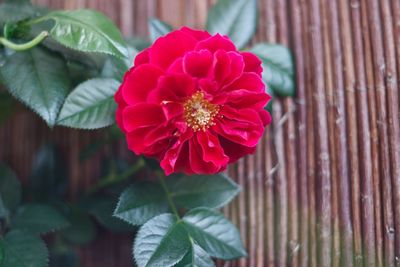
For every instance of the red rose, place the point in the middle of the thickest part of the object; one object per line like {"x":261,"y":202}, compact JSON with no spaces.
{"x":193,"y":102}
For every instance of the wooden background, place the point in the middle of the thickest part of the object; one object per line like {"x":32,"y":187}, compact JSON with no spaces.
{"x":323,"y":188}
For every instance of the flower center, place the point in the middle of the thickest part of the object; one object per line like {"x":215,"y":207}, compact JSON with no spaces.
{"x":199,"y":113}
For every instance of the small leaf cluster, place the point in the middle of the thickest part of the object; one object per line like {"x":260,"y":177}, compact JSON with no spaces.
{"x":180,"y":225}
{"x":39,"y":209}
{"x":64,"y":65}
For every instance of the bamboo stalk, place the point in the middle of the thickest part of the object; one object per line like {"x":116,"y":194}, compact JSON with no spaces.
{"x":310,"y":151}
{"x":323,"y":185}
{"x":298,"y":49}
{"x":290,"y":148}
{"x":373,"y":136}
{"x":393,"y":115}
{"x":365,"y":144}
{"x":269,"y":201}
{"x":340,"y":151}
{"x":251,"y":209}
{"x":260,"y":232}
{"x":331,"y":110}
{"x":379,"y":64}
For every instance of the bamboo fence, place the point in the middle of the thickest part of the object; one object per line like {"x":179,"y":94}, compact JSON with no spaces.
{"x":323,"y":188}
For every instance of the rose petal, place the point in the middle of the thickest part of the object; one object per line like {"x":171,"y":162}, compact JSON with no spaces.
{"x":174,"y":87}
{"x":234,"y":150}
{"x":242,"y":126}
{"x":170,"y":47}
{"x":252,"y":63}
{"x":248,"y":81}
{"x":142,"y":115}
{"x":199,"y":35}
{"x":211,"y":149}
{"x":215,"y":43}
{"x":139,"y":82}
{"x":176,"y":158}
{"x":198,"y":64}
{"x":142,"y":57}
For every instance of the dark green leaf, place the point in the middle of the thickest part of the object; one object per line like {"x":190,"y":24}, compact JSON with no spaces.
{"x":38,"y":219}
{"x":91,"y":105}
{"x":214,"y":233}
{"x":65,"y":258}
{"x":141,"y":202}
{"x":237,"y":19}
{"x":10,"y":188}
{"x":196,"y":257}
{"x":45,"y":82}
{"x":213,"y":191}
{"x":87,"y":30}
{"x":1,"y":252}
{"x":115,"y":68}
{"x":14,"y":12}
{"x":48,"y":181}
{"x":6,"y":106}
{"x":278,"y":68}
{"x":162,"y":241}
{"x":158,"y":28}
{"x":102,"y":209}
{"x":81,"y":230}
{"x":138,"y":43}
{"x":24,"y":250}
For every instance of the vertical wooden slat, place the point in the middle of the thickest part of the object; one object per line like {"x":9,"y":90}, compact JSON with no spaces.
{"x":323,"y":183}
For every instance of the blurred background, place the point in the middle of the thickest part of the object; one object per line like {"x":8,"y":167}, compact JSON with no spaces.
{"x":323,"y":188}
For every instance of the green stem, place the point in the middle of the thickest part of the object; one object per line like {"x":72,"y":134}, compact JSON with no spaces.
{"x":168,"y":194}
{"x":21,"y":47}
{"x":111,"y":179}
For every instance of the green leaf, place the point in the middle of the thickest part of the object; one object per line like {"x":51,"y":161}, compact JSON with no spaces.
{"x":15,"y":12}
{"x":196,"y":257}
{"x":213,"y":191}
{"x":24,"y":250}
{"x":87,"y":30}
{"x":158,"y":28}
{"x":116,"y":68}
{"x":39,"y":219}
{"x":102,"y":209}
{"x":2,"y":256}
{"x":141,"y":202}
{"x":82,"y":230}
{"x":138,"y":43}
{"x":91,"y":105}
{"x":45,"y":82}
{"x":162,"y":241}
{"x":214,"y":233}
{"x":7,"y":106}
{"x":237,"y":19}
{"x":48,"y":181}
{"x":65,"y":257}
{"x":10,"y":188}
{"x":278,"y":68}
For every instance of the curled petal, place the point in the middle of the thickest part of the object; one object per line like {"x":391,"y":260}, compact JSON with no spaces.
{"x":252,"y":63}
{"x":242,"y":126}
{"x":199,"y":35}
{"x":174,"y":87}
{"x":198,"y":63}
{"x":215,"y":43}
{"x":133,"y":117}
{"x":170,"y":47}
{"x":140,"y":82}
{"x":142,"y":57}
{"x":248,"y":81}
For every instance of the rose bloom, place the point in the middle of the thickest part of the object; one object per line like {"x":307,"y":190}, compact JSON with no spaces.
{"x":193,"y":102}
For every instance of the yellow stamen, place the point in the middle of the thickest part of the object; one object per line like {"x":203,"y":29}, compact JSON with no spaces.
{"x":199,"y":113}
